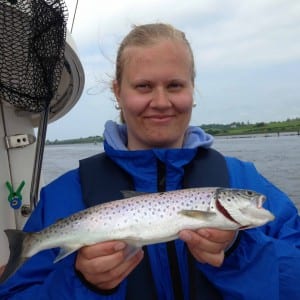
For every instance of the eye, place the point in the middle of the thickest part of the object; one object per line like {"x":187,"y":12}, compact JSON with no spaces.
{"x":143,"y":87}
{"x":175,"y":86}
{"x":249,"y":193}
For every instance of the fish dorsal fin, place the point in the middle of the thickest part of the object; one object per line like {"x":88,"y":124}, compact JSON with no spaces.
{"x":130,"y":194}
{"x":197,"y":214}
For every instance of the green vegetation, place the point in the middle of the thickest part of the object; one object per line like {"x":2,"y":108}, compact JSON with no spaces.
{"x":235,"y":128}
{"x":89,"y":140}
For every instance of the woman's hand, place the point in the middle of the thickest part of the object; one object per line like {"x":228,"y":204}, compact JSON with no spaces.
{"x":208,"y":245}
{"x":105,"y":265}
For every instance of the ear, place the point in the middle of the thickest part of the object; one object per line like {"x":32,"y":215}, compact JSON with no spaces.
{"x":116,"y":89}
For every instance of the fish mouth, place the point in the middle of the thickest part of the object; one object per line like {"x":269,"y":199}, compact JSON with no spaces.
{"x":226,"y":214}
{"x":260,"y":201}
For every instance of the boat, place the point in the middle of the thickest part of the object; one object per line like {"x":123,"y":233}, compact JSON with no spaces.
{"x":20,"y":144}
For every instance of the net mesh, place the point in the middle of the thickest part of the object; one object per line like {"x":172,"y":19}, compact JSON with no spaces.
{"x":32,"y":45}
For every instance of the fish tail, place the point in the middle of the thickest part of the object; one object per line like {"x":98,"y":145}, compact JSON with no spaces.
{"x":16,"y":259}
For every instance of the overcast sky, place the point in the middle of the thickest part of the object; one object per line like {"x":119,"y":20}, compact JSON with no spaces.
{"x":247,"y":56}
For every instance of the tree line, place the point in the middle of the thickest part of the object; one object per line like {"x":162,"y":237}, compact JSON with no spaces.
{"x":234,"y":128}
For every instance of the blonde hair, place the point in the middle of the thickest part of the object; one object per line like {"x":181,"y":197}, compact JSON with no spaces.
{"x":149,"y":34}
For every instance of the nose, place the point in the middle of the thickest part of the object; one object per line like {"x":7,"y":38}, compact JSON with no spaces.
{"x":160,"y":98}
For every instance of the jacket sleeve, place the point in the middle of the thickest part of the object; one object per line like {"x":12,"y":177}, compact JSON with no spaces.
{"x":266,"y":262}
{"x":39,"y":277}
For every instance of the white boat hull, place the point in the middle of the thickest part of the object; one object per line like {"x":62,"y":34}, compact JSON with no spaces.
{"x":16,"y":164}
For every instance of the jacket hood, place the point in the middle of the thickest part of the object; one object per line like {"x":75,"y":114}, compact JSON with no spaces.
{"x":116,"y":136}
{"x":142,"y":164}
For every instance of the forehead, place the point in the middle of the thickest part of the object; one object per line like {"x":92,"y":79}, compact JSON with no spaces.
{"x":165,"y":52}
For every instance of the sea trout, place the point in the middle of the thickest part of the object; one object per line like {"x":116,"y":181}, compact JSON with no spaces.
{"x":140,"y":220}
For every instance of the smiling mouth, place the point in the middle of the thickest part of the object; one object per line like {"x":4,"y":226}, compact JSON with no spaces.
{"x":160,"y":119}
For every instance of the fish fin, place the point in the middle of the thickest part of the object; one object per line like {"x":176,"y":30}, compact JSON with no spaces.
{"x":16,"y":259}
{"x":130,"y":194}
{"x":64,"y":252}
{"x":130,"y":251}
{"x":133,"y":246}
{"x":197,"y":214}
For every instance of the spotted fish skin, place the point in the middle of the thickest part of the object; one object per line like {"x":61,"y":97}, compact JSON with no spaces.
{"x":138,"y":220}
{"x":146,"y":219}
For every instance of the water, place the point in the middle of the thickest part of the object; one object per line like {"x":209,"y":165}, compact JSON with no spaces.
{"x":277,"y":158}
{"x":61,"y":158}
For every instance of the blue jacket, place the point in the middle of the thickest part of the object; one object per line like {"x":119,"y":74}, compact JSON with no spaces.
{"x":266,"y":262}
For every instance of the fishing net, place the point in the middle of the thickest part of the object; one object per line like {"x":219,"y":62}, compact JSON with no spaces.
{"x":32,"y":45}
{"x":32,"y":48}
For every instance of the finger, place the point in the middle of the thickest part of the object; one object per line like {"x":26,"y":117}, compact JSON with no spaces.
{"x":216,"y":235}
{"x":214,"y":259}
{"x":205,"y":251}
{"x":196,"y":241}
{"x":115,"y":276}
{"x":222,"y":237}
{"x":99,"y":264}
{"x":102,"y":249}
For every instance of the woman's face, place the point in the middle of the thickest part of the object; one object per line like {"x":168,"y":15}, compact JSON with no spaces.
{"x":156,"y":94}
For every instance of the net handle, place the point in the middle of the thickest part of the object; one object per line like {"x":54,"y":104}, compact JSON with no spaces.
{"x":38,"y":160}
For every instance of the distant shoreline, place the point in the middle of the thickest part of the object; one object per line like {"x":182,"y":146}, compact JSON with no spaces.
{"x":255,"y":135}
{"x":233,"y":136}
{"x":232,"y":130}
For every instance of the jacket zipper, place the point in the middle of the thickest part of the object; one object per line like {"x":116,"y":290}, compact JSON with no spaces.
{"x":171,"y":249}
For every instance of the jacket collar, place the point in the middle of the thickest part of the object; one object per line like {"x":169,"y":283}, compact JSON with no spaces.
{"x":116,"y":136}
{"x":142,"y":164}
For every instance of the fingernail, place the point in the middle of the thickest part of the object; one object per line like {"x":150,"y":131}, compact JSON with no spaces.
{"x":119,"y":246}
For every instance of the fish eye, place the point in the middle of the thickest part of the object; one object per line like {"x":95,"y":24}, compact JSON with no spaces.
{"x":249,"y":193}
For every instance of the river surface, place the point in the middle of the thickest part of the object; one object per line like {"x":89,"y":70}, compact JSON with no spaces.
{"x":276,"y":157}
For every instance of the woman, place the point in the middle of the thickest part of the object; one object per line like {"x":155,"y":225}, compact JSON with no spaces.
{"x":154,"y":86}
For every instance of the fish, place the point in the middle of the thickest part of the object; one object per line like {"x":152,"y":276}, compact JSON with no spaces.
{"x":141,"y":219}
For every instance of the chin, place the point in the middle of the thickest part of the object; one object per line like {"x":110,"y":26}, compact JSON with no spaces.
{"x":166,"y":143}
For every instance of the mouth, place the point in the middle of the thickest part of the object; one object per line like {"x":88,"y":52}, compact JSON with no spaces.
{"x":160,"y":118}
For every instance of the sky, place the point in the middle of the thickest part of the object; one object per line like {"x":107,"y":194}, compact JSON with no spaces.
{"x":247,"y":56}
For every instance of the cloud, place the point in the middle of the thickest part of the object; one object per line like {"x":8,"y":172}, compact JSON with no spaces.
{"x":247,"y":56}
{"x":263,"y":32}
{"x":223,"y":34}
